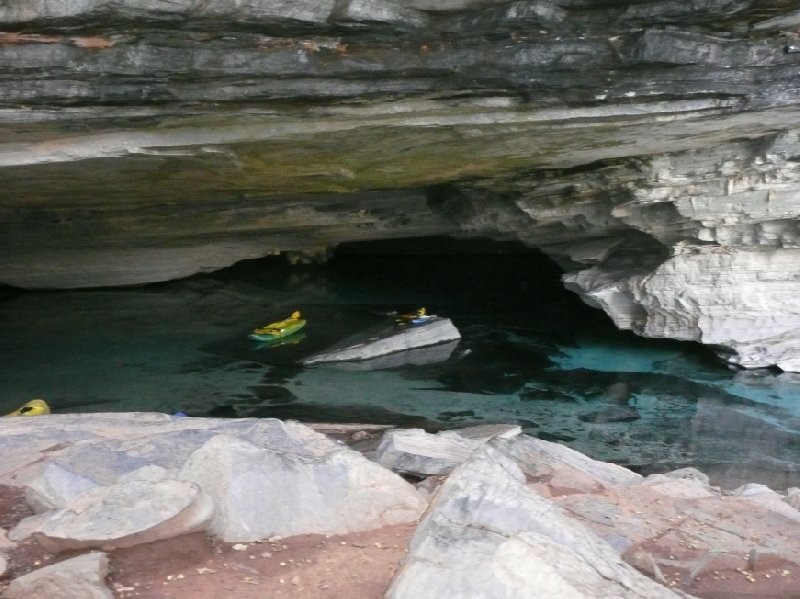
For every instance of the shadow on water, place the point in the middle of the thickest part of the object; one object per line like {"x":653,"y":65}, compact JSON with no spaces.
{"x":531,"y":353}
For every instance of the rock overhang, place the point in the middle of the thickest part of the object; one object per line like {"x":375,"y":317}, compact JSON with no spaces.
{"x":148,"y":141}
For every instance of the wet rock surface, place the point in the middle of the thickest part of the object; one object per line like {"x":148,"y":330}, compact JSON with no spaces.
{"x":644,"y":146}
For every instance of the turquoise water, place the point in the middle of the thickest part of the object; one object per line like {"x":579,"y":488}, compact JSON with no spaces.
{"x":530,"y":353}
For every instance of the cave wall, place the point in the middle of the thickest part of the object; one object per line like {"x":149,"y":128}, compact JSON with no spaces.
{"x":650,"y":148}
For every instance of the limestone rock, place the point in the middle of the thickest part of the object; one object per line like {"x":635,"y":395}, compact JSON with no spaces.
{"x":81,"y":577}
{"x":124,"y":515}
{"x":145,"y":446}
{"x":676,"y":523}
{"x":384,"y":340}
{"x":685,"y":482}
{"x":487,"y":535}
{"x":379,"y":11}
{"x":562,"y":467}
{"x":303,"y":10}
{"x":261,"y":493}
{"x":413,"y":451}
{"x":55,"y":487}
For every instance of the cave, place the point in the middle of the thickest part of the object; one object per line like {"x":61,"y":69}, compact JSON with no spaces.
{"x":530,"y":353}
{"x":602,"y":195}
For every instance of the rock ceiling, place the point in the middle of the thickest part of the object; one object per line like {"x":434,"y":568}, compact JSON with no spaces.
{"x":650,"y":147}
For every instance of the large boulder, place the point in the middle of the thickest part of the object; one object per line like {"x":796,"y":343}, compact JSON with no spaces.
{"x":161,"y":477}
{"x":488,"y":535}
{"x":261,"y":493}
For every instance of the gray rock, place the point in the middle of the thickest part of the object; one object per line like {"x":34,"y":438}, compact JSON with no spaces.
{"x":122,"y":444}
{"x":379,"y":11}
{"x":384,"y":340}
{"x":55,"y":488}
{"x":261,"y":493}
{"x":3,"y":565}
{"x":302,"y":10}
{"x":487,"y":535}
{"x":414,"y":451}
{"x":124,"y":515}
{"x":431,"y":354}
{"x":793,"y":497}
{"x":752,"y":490}
{"x":561,"y":466}
{"x":81,"y":577}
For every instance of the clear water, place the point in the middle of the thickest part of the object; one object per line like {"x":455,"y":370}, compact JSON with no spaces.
{"x":531,"y":353}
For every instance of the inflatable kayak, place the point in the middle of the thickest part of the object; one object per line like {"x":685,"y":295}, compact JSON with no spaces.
{"x":421,"y":316}
{"x":35,"y":407}
{"x":280,"y":329}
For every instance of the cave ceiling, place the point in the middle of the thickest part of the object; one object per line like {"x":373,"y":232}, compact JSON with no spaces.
{"x":650,"y":148}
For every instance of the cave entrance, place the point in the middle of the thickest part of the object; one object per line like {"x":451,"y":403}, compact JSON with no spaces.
{"x":531,"y":353}
{"x":500,"y":282}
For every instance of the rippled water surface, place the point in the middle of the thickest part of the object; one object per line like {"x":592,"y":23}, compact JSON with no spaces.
{"x":531,"y":353}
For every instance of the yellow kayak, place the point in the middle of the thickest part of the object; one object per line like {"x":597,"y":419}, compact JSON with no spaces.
{"x":280,"y":329}
{"x":35,"y":407}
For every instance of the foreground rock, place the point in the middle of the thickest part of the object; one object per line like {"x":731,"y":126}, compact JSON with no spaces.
{"x":488,"y":535}
{"x":510,"y":515}
{"x":241,"y":480}
{"x":81,"y":577}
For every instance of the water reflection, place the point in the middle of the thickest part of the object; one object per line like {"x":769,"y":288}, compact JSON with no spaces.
{"x":530,"y":353}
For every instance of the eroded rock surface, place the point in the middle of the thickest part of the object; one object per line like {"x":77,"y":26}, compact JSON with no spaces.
{"x":651,"y":148}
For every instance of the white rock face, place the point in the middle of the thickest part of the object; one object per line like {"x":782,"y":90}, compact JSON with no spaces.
{"x":261,"y":493}
{"x":742,"y":299}
{"x":729,"y":218}
{"x":81,"y":577}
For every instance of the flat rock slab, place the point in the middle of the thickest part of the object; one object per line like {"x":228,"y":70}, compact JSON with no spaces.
{"x":124,"y":515}
{"x":384,"y":340}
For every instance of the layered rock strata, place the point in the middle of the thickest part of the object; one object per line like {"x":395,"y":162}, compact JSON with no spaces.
{"x":650,"y":147}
